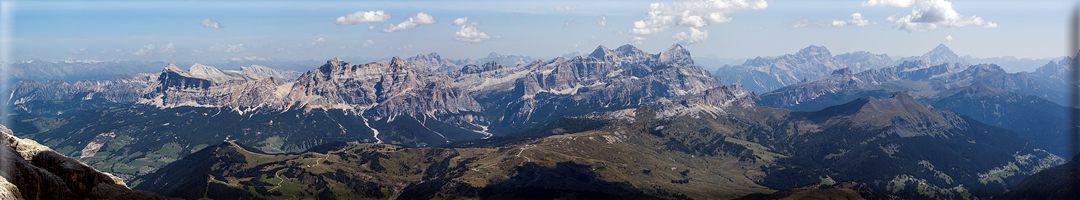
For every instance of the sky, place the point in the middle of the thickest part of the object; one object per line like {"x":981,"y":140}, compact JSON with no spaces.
{"x":201,"y":31}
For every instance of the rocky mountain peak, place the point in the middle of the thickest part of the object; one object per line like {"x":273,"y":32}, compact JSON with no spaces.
{"x":492,"y":65}
{"x":213,"y":74}
{"x":600,"y":52}
{"x":489,"y":66}
{"x":941,"y":49}
{"x":815,"y":51}
{"x":396,"y":61}
{"x":430,"y":60}
{"x":677,"y":54}
{"x":430,"y":55}
{"x":942,"y":55}
{"x":628,"y":49}
{"x":335,"y":62}
{"x":172,"y":67}
{"x":174,"y":77}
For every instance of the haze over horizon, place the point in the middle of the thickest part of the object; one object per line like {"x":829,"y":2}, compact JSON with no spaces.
{"x":202,"y":31}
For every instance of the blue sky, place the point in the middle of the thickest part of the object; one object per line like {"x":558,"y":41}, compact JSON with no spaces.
{"x":301,"y":30}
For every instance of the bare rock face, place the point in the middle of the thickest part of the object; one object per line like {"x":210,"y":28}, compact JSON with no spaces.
{"x":40,"y":98}
{"x":431,"y":61}
{"x":208,"y":87}
{"x":380,"y":89}
{"x":261,"y":72}
{"x":714,"y":101}
{"x":604,"y":80}
{"x":493,"y":96}
{"x":37,"y":172}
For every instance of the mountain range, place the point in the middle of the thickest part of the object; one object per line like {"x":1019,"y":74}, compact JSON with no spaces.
{"x":764,"y":75}
{"x":1017,"y":101}
{"x":895,"y":146}
{"x":614,"y":123}
{"x":176,"y":112}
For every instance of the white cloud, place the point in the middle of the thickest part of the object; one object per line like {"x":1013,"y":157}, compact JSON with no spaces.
{"x":372,"y":27}
{"x":360,"y":17}
{"x":150,"y":49}
{"x":566,"y":8}
{"x":890,"y":3}
{"x":856,"y":19}
{"x":167,"y":48}
{"x":210,"y":23}
{"x":460,"y":21}
{"x":569,"y":24}
{"x":637,"y":39}
{"x":691,"y":13}
{"x":367,"y":43}
{"x":948,"y":38}
{"x":602,"y":20}
{"x":413,"y":21}
{"x":927,"y":14}
{"x":469,"y":33}
{"x":317,"y":41}
{"x":801,"y":22}
{"x":695,"y":36}
{"x":231,"y":48}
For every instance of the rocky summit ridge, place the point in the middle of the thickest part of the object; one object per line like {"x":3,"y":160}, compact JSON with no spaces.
{"x":474,"y":101}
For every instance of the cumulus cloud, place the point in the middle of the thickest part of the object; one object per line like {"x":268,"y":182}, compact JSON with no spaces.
{"x":691,"y":13}
{"x":948,"y":38}
{"x":360,"y":17}
{"x":367,"y":43}
{"x":317,"y":41}
{"x":801,"y":22}
{"x":695,"y":36}
{"x":890,"y":3}
{"x":230,"y":48}
{"x":413,"y":21}
{"x":602,"y":20}
{"x":856,"y":20}
{"x":469,"y":33}
{"x":460,"y":21}
{"x":150,"y":49}
{"x":637,"y":39}
{"x":211,"y":23}
{"x":928,"y":14}
{"x":566,"y":8}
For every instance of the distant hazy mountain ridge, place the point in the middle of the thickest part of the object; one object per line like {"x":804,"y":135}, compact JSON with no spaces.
{"x":763,"y":75}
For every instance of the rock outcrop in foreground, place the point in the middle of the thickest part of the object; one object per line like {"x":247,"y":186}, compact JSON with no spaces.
{"x":29,"y":170}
